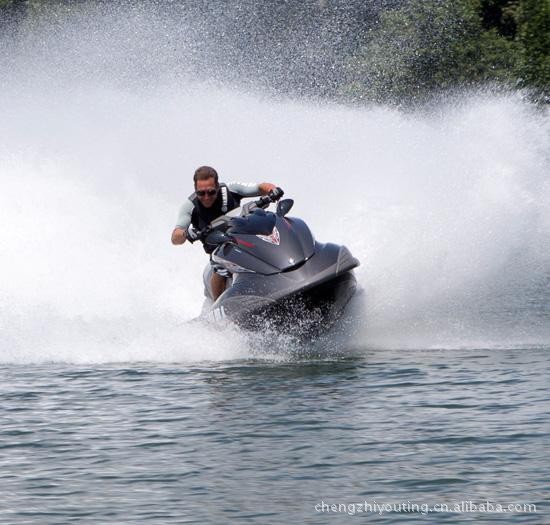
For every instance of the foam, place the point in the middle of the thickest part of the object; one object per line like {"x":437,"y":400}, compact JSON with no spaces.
{"x":447,"y":210}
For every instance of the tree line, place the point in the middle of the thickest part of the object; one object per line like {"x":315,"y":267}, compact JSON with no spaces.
{"x":426,"y":46}
{"x":383,"y":51}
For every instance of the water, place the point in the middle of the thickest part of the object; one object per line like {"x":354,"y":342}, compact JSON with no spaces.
{"x":117,"y":409}
{"x":254,"y":441}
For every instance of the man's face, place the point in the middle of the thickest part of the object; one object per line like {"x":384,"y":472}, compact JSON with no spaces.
{"x":206,"y":191}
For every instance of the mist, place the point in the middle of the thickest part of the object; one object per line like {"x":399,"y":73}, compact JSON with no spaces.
{"x":103,"y":121}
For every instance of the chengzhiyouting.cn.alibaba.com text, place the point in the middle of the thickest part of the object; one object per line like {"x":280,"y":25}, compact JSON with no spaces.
{"x":408,"y":507}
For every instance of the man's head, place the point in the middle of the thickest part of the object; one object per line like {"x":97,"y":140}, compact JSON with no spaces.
{"x":206,"y":185}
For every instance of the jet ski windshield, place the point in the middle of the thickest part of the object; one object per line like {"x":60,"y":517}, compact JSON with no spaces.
{"x":259,"y":222}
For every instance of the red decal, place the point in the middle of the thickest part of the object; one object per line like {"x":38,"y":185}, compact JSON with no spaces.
{"x":244,"y":243}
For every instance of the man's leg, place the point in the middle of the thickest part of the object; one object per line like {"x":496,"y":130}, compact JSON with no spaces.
{"x":218,"y":285}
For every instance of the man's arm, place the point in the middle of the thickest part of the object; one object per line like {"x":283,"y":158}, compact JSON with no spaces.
{"x":251,"y":189}
{"x":179,"y":235}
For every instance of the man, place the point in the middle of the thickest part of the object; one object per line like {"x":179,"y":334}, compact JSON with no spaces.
{"x":210,"y":200}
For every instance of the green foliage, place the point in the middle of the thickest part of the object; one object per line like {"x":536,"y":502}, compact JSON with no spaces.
{"x":500,"y":15}
{"x":427,"y":46}
{"x":533,"y":17}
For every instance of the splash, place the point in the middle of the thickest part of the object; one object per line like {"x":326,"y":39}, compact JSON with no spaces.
{"x":448,"y":211}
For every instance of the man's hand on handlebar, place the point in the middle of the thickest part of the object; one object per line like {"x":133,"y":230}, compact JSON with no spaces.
{"x":273,"y":196}
{"x":276,"y":194}
{"x":194,"y":234}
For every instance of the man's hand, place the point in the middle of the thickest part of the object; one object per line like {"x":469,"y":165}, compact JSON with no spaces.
{"x":275,"y":194}
{"x":193,"y":234}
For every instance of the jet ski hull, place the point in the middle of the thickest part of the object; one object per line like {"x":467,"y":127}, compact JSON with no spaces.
{"x":308,"y":298}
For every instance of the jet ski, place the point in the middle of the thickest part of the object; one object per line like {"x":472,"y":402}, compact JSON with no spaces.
{"x":281,"y":277}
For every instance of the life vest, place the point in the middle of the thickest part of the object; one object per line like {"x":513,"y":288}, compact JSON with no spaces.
{"x":225,"y":201}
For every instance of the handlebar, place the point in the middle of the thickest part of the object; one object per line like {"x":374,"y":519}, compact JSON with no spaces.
{"x":272,"y":196}
{"x":262,"y":202}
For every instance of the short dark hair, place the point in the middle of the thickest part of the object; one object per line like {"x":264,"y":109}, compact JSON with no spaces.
{"x":205,"y":173}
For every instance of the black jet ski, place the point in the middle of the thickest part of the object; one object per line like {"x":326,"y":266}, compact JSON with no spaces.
{"x":281,"y":276}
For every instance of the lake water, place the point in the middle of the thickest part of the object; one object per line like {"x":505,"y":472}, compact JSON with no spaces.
{"x":116,"y":409}
{"x":271,"y":441}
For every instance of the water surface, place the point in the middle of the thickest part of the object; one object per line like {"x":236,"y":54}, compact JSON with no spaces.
{"x":261,"y":441}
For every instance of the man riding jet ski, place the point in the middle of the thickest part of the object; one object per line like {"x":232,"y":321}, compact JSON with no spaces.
{"x":210,"y":200}
{"x":275,"y":273}
{"x":280,"y":276}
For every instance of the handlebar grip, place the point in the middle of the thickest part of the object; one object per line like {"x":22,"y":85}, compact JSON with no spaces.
{"x":263,"y":201}
{"x":204,"y":232}
{"x":272,"y":196}
{"x":276,"y":194}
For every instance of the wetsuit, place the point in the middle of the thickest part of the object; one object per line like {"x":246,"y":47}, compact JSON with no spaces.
{"x":229,"y":197}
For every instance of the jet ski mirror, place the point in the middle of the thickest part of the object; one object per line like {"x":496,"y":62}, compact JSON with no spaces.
{"x":284,"y":206}
{"x":217,"y":237}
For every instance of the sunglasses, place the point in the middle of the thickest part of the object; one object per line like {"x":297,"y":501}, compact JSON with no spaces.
{"x":211,"y":192}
